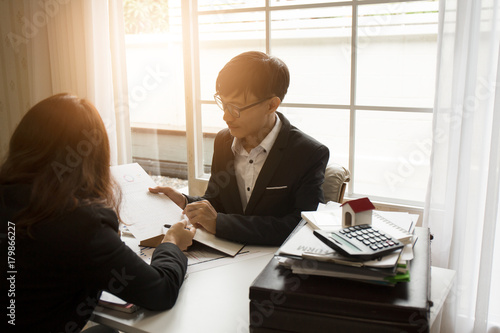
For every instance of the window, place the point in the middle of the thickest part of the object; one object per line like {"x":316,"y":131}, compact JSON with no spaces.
{"x":362,"y":81}
{"x":154,"y":63}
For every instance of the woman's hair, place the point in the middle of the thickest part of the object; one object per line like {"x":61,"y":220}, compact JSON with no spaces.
{"x":256,"y":73}
{"x":61,"y":149}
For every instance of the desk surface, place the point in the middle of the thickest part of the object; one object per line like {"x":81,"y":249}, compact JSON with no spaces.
{"x":216,"y":300}
{"x":212,"y":300}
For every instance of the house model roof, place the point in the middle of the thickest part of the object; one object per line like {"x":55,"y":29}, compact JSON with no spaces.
{"x":360,"y":205}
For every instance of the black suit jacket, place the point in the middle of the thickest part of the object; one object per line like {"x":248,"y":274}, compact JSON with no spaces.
{"x":290,"y":182}
{"x":62,"y":271}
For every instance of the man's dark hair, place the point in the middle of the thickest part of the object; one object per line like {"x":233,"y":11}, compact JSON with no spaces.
{"x":254,"y":72}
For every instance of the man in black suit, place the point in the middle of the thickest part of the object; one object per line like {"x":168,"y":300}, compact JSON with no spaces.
{"x":264,"y":171}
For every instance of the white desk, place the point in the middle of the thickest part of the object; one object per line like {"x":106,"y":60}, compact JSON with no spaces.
{"x":216,"y":300}
{"x":212,"y":300}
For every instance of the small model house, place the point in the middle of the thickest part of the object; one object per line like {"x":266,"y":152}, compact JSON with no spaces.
{"x":357,"y":212}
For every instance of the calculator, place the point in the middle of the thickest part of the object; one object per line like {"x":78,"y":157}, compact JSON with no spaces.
{"x":360,"y":242}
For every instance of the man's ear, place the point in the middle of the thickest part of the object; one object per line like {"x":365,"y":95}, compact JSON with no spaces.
{"x":274,"y":103}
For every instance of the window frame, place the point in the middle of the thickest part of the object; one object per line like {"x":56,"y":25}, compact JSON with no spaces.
{"x":198,"y":179}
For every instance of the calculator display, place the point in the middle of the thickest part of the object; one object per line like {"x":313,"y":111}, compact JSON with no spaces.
{"x":346,"y":242}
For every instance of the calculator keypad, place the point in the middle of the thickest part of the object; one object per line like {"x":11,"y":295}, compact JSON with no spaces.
{"x":372,"y":238}
{"x":361,"y":242}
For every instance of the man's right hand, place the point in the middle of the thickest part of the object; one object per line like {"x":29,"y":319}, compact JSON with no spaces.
{"x":173,"y":194}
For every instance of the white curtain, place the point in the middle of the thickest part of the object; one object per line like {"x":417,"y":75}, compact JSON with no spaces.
{"x":74,"y":46}
{"x":462,"y":208}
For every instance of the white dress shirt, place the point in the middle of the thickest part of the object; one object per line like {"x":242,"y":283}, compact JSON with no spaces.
{"x":247,"y":165}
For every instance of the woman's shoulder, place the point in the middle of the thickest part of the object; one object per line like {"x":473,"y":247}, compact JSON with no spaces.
{"x":77,"y":227}
{"x":15,"y":197}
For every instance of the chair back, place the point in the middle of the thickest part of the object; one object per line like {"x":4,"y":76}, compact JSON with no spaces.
{"x":336,"y":179}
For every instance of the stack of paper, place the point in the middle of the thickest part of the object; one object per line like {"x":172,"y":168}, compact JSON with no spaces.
{"x":304,"y":253}
{"x":327,"y":217}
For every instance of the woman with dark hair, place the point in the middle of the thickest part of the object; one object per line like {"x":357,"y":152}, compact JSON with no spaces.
{"x":59,"y":210}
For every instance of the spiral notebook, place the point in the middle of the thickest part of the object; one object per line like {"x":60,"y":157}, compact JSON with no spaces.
{"x":398,"y":225}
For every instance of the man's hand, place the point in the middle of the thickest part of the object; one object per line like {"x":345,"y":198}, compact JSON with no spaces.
{"x":173,"y":194}
{"x":179,"y":235}
{"x":202,"y":214}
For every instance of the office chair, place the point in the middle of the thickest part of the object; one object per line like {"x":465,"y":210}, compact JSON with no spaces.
{"x":336,"y":179}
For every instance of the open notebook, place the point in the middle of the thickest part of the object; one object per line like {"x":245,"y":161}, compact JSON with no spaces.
{"x":398,"y":225}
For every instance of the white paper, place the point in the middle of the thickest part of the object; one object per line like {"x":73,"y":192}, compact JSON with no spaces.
{"x":401,"y":219}
{"x":201,"y":257}
{"x":144,"y":212}
{"x":228,"y":247}
{"x":108,"y":297}
{"x":304,"y":244}
{"x":304,"y":241}
{"x":395,"y":224}
{"x":327,"y":217}
{"x":205,"y":259}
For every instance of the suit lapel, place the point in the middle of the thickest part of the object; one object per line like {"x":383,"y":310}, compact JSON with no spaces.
{"x":270,"y":166}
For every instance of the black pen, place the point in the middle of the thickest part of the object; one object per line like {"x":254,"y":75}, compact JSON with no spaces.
{"x":168,"y":226}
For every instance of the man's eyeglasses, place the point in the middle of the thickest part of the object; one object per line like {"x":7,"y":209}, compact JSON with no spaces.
{"x":233,"y":109}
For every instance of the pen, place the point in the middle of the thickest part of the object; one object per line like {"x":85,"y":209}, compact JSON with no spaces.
{"x":167,"y":225}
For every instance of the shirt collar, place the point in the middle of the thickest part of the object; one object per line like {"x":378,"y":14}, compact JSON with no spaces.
{"x":266,"y":144}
